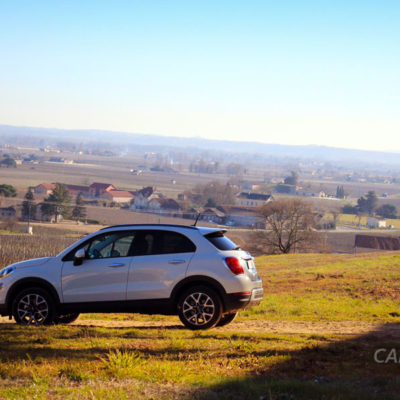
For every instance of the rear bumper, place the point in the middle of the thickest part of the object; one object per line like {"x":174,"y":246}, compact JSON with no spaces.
{"x":238,"y":301}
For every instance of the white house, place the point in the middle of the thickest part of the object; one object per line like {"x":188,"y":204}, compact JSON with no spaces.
{"x":158,"y":204}
{"x":373,"y":223}
{"x":249,"y":199}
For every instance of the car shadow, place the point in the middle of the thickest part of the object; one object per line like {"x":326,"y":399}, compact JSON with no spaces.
{"x":358,"y":367}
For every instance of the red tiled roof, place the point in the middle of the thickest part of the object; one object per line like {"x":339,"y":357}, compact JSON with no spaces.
{"x":120,"y":193}
{"x":238,"y":210}
{"x":100,"y":185}
{"x":48,"y":186}
{"x":77,"y":188}
{"x":167,"y":203}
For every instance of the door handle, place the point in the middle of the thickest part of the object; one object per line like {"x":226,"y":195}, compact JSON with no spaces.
{"x":116,"y":265}
{"x":176,"y":261}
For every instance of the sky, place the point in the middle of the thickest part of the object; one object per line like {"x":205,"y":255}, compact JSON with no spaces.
{"x":291,"y":72}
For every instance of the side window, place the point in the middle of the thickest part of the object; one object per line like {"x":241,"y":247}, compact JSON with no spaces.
{"x":110,"y":245}
{"x":106,"y":245}
{"x":161,"y":242}
{"x":172,"y":242}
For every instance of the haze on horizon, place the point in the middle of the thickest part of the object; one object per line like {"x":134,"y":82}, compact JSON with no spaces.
{"x":293,"y":73}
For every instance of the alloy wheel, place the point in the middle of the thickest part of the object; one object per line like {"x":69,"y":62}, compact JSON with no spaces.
{"x":32,"y":309}
{"x":198,"y":308}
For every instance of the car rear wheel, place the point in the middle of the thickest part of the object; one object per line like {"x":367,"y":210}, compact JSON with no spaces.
{"x":227,"y":319}
{"x":33,"y":306}
{"x":66,"y":318}
{"x":200,"y":307}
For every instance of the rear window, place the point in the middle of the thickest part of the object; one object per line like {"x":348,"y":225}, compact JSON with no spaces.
{"x":221,"y":242}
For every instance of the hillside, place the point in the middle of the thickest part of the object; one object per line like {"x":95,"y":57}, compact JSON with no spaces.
{"x":275,"y":151}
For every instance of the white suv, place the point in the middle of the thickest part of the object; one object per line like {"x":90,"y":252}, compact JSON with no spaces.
{"x":195,"y":272}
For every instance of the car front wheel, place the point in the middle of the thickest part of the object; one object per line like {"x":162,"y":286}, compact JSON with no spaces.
{"x":200,"y":308}
{"x":33,"y":306}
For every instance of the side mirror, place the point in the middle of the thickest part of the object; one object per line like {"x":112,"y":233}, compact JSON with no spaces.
{"x":79,"y":257}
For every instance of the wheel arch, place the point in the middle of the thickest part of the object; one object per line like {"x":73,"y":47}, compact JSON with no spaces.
{"x":194,"y":281}
{"x":26,"y":283}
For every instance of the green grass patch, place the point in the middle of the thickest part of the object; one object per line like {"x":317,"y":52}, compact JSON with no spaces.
{"x":63,"y":362}
{"x":316,"y":287}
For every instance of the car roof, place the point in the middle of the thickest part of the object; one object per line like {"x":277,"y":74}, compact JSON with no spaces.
{"x":202,"y":229}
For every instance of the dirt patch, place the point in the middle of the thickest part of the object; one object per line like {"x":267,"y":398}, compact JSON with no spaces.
{"x":260,"y":326}
{"x":257,"y":326}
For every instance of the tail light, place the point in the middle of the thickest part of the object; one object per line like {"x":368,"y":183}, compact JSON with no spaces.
{"x":234,"y":265}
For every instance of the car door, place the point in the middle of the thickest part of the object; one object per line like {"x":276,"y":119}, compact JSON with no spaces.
{"x":160,"y":260}
{"x":103,"y":274}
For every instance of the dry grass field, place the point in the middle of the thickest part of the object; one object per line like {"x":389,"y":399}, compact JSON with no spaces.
{"x":354,"y":221}
{"x":109,"y":216}
{"x":313,"y":337}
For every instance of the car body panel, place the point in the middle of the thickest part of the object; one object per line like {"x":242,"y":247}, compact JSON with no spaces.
{"x":47,"y":269}
{"x":154,"y":277}
{"x":103,"y":279}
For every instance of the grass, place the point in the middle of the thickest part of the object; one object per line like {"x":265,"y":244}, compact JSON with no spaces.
{"x":316,"y":287}
{"x":352,"y":220}
{"x":164,"y":361}
{"x":82,"y":362}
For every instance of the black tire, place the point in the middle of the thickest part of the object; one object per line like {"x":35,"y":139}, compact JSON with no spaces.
{"x":199,"y":307}
{"x":227,"y":319}
{"x":66,"y":318}
{"x":33,"y":306}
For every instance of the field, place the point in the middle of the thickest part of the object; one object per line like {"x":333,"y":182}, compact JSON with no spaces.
{"x":313,"y":337}
{"x":353,"y":221}
{"x":102,"y":169}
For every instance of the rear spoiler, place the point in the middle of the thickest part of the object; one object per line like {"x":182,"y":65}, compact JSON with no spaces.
{"x":219,"y":232}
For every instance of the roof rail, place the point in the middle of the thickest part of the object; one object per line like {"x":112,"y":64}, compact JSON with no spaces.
{"x":166,"y":225}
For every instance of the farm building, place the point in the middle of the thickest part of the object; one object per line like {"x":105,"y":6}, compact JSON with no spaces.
{"x":287,"y":189}
{"x":242,"y":216}
{"x":118,"y":196}
{"x":74,"y":190}
{"x":249,"y":199}
{"x":374,"y":223}
{"x":159,"y":204}
{"x":142,"y":198}
{"x":6,"y":212}
{"x":47,"y":188}
{"x":97,"y":189}
{"x":44,"y":188}
{"x":212,"y":214}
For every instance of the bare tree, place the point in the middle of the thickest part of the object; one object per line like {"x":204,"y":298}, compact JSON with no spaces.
{"x":335,"y":211}
{"x":289,"y":224}
{"x":214,"y":192}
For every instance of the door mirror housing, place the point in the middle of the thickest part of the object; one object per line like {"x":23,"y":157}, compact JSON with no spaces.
{"x":79,"y":256}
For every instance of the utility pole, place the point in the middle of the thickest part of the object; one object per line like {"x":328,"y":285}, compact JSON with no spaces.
{"x":28,"y":228}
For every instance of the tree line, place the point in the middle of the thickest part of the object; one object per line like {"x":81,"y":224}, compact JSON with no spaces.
{"x":368,"y":204}
{"x":55,"y":205}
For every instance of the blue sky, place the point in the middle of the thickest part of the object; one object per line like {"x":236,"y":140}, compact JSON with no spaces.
{"x":292,"y":72}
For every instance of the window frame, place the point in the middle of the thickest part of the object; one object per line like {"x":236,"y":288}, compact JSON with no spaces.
{"x":70,"y":255}
{"x":162,"y":231}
